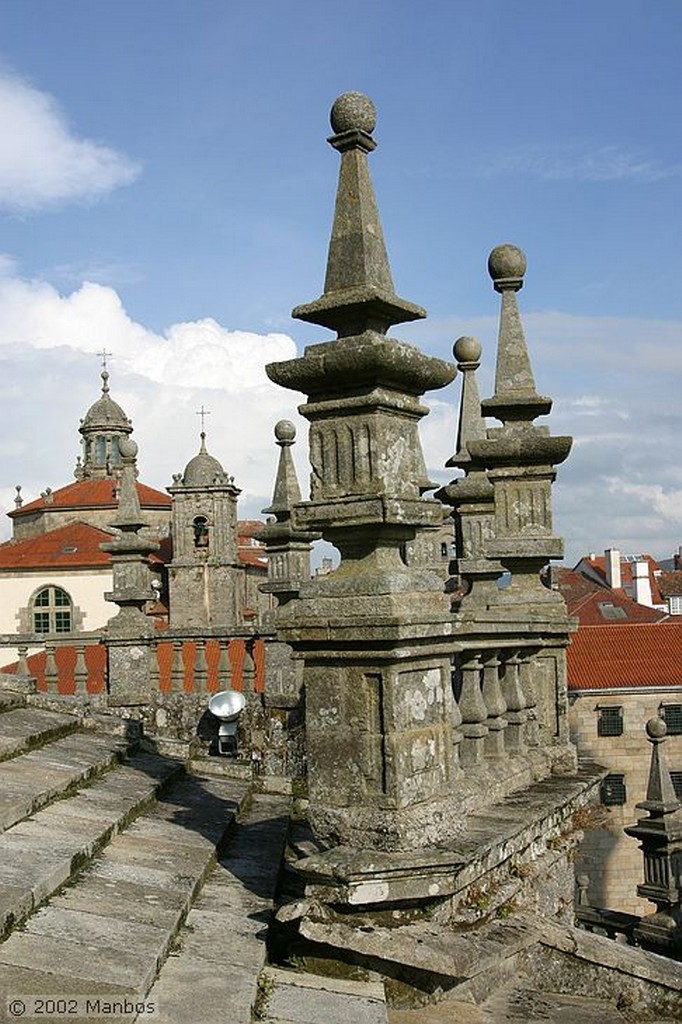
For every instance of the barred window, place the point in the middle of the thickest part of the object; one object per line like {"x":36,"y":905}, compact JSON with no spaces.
{"x":672,"y":716}
{"x":613,"y":792}
{"x":610,"y":721}
{"x":52,"y":611}
{"x":677,"y":783}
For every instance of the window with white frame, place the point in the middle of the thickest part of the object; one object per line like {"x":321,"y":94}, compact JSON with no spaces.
{"x":52,"y":611}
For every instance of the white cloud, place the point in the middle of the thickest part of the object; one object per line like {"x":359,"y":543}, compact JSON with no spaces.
{"x":582,"y":161}
{"x":614,"y":382}
{"x":42,"y":162}
{"x":48,"y":345}
{"x":615,"y":386}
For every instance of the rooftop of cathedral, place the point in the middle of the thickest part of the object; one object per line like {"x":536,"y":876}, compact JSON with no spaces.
{"x":90,"y":493}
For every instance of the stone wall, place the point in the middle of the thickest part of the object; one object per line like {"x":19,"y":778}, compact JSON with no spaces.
{"x":611,"y":859}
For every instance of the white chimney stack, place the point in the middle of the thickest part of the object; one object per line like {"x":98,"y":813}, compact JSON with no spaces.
{"x":612,"y":559}
{"x":641,"y":584}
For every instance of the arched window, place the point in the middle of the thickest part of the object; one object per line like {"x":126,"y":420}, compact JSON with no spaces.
{"x":200,"y":525}
{"x":52,"y":611}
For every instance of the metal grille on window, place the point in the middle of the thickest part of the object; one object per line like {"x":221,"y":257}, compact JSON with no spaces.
{"x":610,"y":722}
{"x":613,"y":792}
{"x":676,"y":778}
{"x":672,"y":716}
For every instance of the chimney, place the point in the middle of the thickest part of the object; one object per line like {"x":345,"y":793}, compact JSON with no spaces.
{"x":641,"y":584}
{"x":612,"y":560}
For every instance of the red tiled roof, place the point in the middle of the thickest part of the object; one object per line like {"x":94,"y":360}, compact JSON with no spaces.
{"x":613,"y":608}
{"x":597,"y":563}
{"x":91,"y":494}
{"x":670,"y":583}
{"x":248,"y":527}
{"x":74,"y":546}
{"x":640,"y":654}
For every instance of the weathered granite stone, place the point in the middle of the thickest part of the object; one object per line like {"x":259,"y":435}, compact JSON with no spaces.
{"x":374,"y":635}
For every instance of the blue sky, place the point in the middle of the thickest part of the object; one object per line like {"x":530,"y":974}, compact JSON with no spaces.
{"x":166,"y":191}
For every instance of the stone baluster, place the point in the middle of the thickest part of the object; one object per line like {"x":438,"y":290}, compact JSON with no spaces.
{"x":22,"y":665}
{"x":473,"y":711}
{"x":177,"y":668}
{"x":515,"y":714}
{"x":249,"y":669}
{"x":496,"y":705}
{"x":527,"y":671}
{"x":80,"y":672}
{"x":200,"y":667}
{"x":51,"y":672}
{"x":154,"y":669}
{"x":456,"y":730}
{"x":224,"y":669}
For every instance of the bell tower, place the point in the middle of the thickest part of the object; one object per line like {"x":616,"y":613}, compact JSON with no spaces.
{"x":203,"y":574}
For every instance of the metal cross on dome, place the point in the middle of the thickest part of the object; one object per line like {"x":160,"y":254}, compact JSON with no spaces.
{"x":103,"y":356}
{"x":203,"y":413}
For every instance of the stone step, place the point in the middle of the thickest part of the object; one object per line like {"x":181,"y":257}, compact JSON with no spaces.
{"x":40,"y":853}
{"x":287,"y":997}
{"x":107,"y":933}
{"x":24,"y":729}
{"x":31,"y":781}
{"x":9,"y":700}
{"x":214,"y":972}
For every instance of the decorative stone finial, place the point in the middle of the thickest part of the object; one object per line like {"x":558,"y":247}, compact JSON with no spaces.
{"x":18,"y":500}
{"x":285,"y":432}
{"x":128,"y":448}
{"x":467,"y":350}
{"x":105,"y":381}
{"x":656,"y":729}
{"x":507,"y":266}
{"x":358,"y":290}
{"x":353,"y":111}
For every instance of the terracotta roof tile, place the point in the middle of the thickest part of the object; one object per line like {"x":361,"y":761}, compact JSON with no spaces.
{"x":74,"y":546}
{"x":640,"y":654}
{"x":91,"y":494}
{"x":670,"y":583}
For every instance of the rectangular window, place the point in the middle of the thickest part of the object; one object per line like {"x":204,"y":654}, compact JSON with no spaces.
{"x":41,"y":622}
{"x":675,"y":605}
{"x":610,"y":721}
{"x":613,"y":792}
{"x":62,"y":622}
{"x":677,"y":783}
{"x":672,"y":716}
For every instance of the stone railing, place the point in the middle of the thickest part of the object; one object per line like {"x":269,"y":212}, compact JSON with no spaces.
{"x":613,"y":924}
{"x":178,"y":661}
{"x":503,"y":705}
{"x":65,"y":665}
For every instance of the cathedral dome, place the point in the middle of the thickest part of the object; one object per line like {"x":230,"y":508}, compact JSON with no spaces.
{"x":105,"y":413}
{"x":203,"y":470}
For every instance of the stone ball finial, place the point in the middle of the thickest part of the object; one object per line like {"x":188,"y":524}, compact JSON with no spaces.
{"x":506,"y":266}
{"x":285,"y":431}
{"x":353,"y":111}
{"x":656,"y":729}
{"x":467,"y":350}
{"x":127,"y":447}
